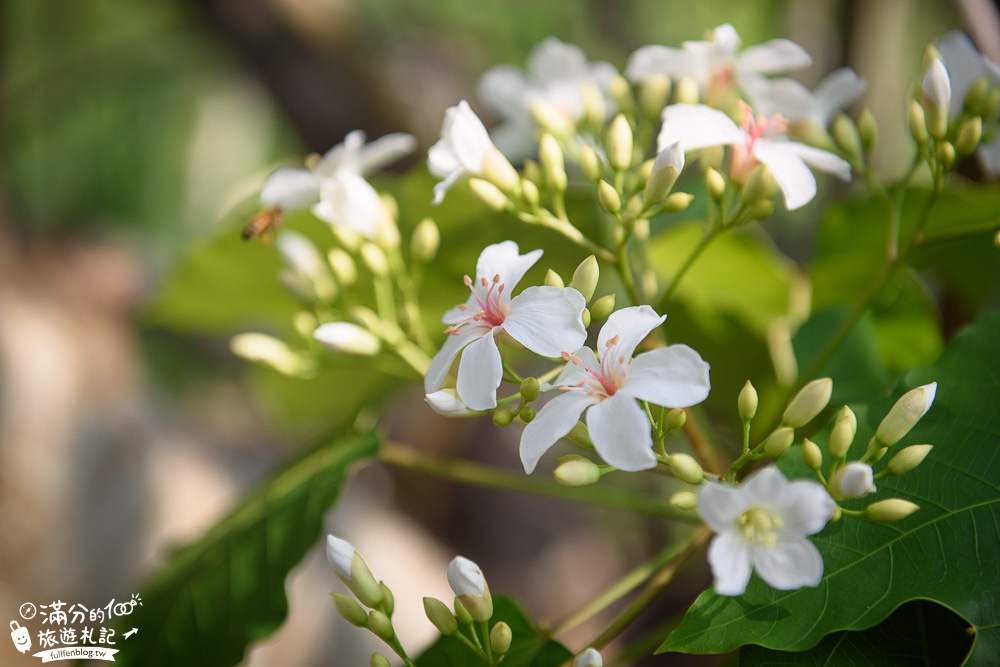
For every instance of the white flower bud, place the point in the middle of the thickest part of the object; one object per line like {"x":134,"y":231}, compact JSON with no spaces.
{"x":893,"y":509}
{"x":686,"y":468}
{"x":811,"y":454}
{"x":469,"y":585}
{"x":608,"y":197}
{"x":351,"y":568}
{"x":684,"y":500}
{"x":843,"y":433}
{"x":808,"y":403}
{"x":577,"y":472}
{"x":589,"y":658}
{"x":340,"y":555}
{"x":779,"y":442}
{"x":551,"y":119}
{"x":425,"y":241}
{"x":447,"y":403}
{"x":666,"y":168}
{"x":347,"y":338}
{"x":908,"y":458}
{"x":853,"y":480}
{"x":935,"y":91}
{"x":269,"y":350}
{"x":343,"y":266}
{"x":905,"y":414}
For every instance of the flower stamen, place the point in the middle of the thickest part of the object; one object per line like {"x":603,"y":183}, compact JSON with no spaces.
{"x":759,"y":526}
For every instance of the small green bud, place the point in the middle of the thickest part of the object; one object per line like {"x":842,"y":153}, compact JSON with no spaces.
{"x":908,"y":458}
{"x":811,"y":133}
{"x":375,"y":259}
{"x":530,"y":388}
{"x":945,"y":153}
{"x":551,"y":119}
{"x":585,"y":317}
{"x":879,"y":454}
{"x":917,"y":121}
{"x":779,"y":442}
{"x":388,"y":599}
{"x":762,"y":210}
{"x":905,"y":414}
{"x":577,"y":472}
{"x":348,"y":607}
{"x":686,"y":469}
{"x":747,"y":402}
{"x":676,"y":418}
{"x":715,"y":184}
{"x":686,"y":91}
{"x":553,"y":279}
{"x":759,"y":186}
{"x":975,"y":99}
{"x":532,"y":171}
{"x":595,"y":110}
{"x":643,"y":172}
{"x":269,"y":350}
{"x":425,"y":241}
{"x":929,"y":56}
{"x":893,"y":509}
{"x":677,"y":202}
{"x":380,"y":625}
{"x":553,"y":165}
{"x":846,"y":134}
{"x":969,"y":134}
{"x":843,"y":433}
{"x":619,"y":143}
{"x":608,"y":198}
{"x":502,"y":417}
{"x":992,"y":105}
{"x":379,"y":660}
{"x":305,"y":323}
{"x":621,"y":93}
{"x":603,"y":308}
{"x":585,"y":277}
{"x":654,"y":93}
{"x":527,"y":414}
{"x":867,"y":128}
{"x":808,"y":403}
{"x":529,"y":192}
{"x":438,"y":613}
{"x":811,"y":454}
{"x":498,"y":170}
{"x":590,"y":162}
{"x":500,"y":638}
{"x":488,"y":193}
{"x":462,"y":614}
{"x":343,"y":267}
{"x":684,"y":500}
{"x":362,"y":583}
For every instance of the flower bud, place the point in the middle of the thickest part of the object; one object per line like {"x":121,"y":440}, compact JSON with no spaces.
{"x":853,"y":480}
{"x":438,"y":613}
{"x":608,"y":198}
{"x":975,"y":99}
{"x":271,"y":351}
{"x":969,"y":134}
{"x":867,"y":128}
{"x":551,"y":119}
{"x":374,"y":258}
{"x":553,"y":279}
{"x":907,"y":459}
{"x":843,"y":433}
{"x":945,"y":153}
{"x":715,"y":184}
{"x":348,"y":607}
{"x":666,"y":168}
{"x":929,"y":55}
{"x":589,"y":658}
{"x":619,"y":143}
{"x":530,"y":388}
{"x":686,"y":91}
{"x":603,"y":308}
{"x":643,"y":172}
{"x":846,"y":134}
{"x":351,"y":568}
{"x":527,"y":414}
{"x":905,"y":414}
{"x":684,"y":500}
{"x":747,"y":402}
{"x":992,"y":105}
{"x":532,"y":171}
{"x":347,"y":338}
{"x":343,"y":267}
{"x":529,"y":191}
{"x":498,"y":170}
{"x":759,"y":186}
{"x":577,"y":472}
{"x":935,"y":94}
{"x":388,"y":599}
{"x":686,"y":468}
{"x":762,"y":210}
{"x":595,"y":109}
{"x":461,"y":613}
{"x":488,"y":193}
{"x":380,"y":625}
{"x":808,"y":403}
{"x":779,"y":442}
{"x":621,"y":93}
{"x":379,"y":660}
{"x":811,"y":454}
{"x":425,"y":241}
{"x":585,"y":277}
{"x":502,"y":417}
{"x":469,"y":585}
{"x":654,"y":93}
{"x":447,"y":403}
{"x":301,"y":256}
{"x":553,"y":165}
{"x":678,"y":201}
{"x":917,"y":121}
{"x":305,"y":323}
{"x":676,"y":418}
{"x":590,"y":162}
{"x":500,"y":638}
{"x":893,"y":509}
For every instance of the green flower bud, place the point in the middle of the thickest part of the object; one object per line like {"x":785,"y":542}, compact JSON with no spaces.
{"x":677,"y":202}
{"x":811,"y":454}
{"x":347,"y":338}
{"x":380,"y":625}
{"x":378,"y":660}
{"x":488,"y":193}
{"x":438,"y":613}
{"x":867,"y":128}
{"x":471,"y":589}
{"x":945,"y":153}
{"x":843,"y":433}
{"x":269,"y":350}
{"x":762,"y":210}
{"x":654,"y":93}
{"x":676,"y":418}
{"x":529,"y":191}
{"x":846,"y":134}
{"x":969,"y":134}
{"x":462,"y":614}
{"x":532,"y":171}
{"x":893,"y":509}
{"x":809,"y":132}
{"x":585,"y":317}
{"x":992,"y":105}
{"x":759,"y":186}
{"x":551,"y":119}
{"x":530,"y":388}
{"x":388,"y":599}
{"x":500,"y":638}
{"x":608,"y":198}
{"x":590,"y":162}
{"x":425,"y":241}
{"x":929,"y":56}
{"x":779,"y":442}
{"x":577,"y":472}
{"x":686,"y":91}
{"x":502,"y":417}
{"x":375,"y":259}
{"x":879,"y":454}
{"x":343,"y":267}
{"x":595,"y":110}
{"x":907,"y":459}
{"x":585,"y":277}
{"x":917,"y":122}
{"x":348,"y":607}
{"x":553,"y":279}
{"x":527,"y":414}
{"x":747,"y":402}
{"x":642,"y":173}
{"x":808,"y":403}
{"x":619,"y":143}
{"x":686,"y":468}
{"x":498,"y":170}
{"x":305,"y":323}
{"x":905,"y":414}
{"x":684,"y":500}
{"x":551,"y":158}
{"x":603,"y":308}
{"x":975,"y":99}
{"x":715,"y":184}
{"x":621,"y":94}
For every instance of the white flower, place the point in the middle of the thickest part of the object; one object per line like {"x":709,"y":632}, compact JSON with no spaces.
{"x":759,"y":140}
{"x":674,"y":376}
{"x":789,"y":98}
{"x":340,"y":555}
{"x":546,"y":320}
{"x":853,"y":480}
{"x":589,"y":658}
{"x":557,"y":74}
{"x":447,"y":403}
{"x":936,"y":86}
{"x":347,"y":338}
{"x":300,"y":254}
{"x":462,"y":149}
{"x":349,"y":200}
{"x":718,"y":63}
{"x":763,"y":525}
{"x":465,"y":578}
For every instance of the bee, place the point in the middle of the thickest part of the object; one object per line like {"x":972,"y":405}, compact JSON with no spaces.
{"x":262,"y":224}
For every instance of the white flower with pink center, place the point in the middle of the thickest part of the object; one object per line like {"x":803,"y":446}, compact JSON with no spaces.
{"x":609,"y":387}
{"x":546,"y":320}
{"x":760,"y":140}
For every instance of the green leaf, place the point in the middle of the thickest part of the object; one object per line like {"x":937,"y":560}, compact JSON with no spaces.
{"x":227,"y":589}
{"x":948,"y":552}
{"x":529,"y":648}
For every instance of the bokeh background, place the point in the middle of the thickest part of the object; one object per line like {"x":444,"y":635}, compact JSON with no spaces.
{"x":134,"y":135}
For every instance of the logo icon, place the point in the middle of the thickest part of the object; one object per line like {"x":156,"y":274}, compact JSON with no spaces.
{"x":20,"y":637}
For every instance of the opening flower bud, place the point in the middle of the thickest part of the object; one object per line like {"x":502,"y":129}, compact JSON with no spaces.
{"x":585,"y":277}
{"x":808,"y":403}
{"x":908,"y":458}
{"x":498,"y":170}
{"x":684,"y":500}
{"x":351,"y":568}
{"x":469,"y":585}
{"x":447,"y":403}
{"x":602,"y":308}
{"x":347,"y":338}
{"x":380,"y":625}
{"x":853,"y":480}
{"x":715,"y":184}
{"x":488,"y":193}
{"x":500,"y":638}
{"x":747,"y":402}
{"x":619,"y":143}
{"x":893,"y":509}
{"x":905,"y":414}
{"x":843,"y":433}
{"x":589,"y":658}
{"x":666,"y":168}
{"x":779,"y":442}
{"x":577,"y":472}
{"x":811,"y":454}
{"x":349,"y":609}
{"x":438,"y":613}
{"x":686,"y":468}
{"x":935,"y":94}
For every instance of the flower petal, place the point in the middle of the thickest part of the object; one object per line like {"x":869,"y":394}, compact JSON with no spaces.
{"x":627,"y":328}
{"x":936,"y":85}
{"x":468,"y":137}
{"x":503,"y":89}
{"x":838,"y":90}
{"x":964,"y":64}
{"x":730,"y":559}
{"x":442,"y":187}
{"x":555,"y":61}
{"x":807,"y":508}
{"x":479,"y":373}
{"x":547,"y":320}
{"x":553,"y":421}
{"x":697,"y":126}
{"x":787,"y":97}
{"x":442,"y":361}
{"x":289,"y":189}
{"x":797,"y":183}
{"x":821,"y":159}
{"x":384,"y":151}
{"x":574,"y":374}
{"x":619,"y":430}
{"x":674,"y":376}
{"x":788,"y":565}
{"x":774,"y":57}
{"x":655,"y":59}
{"x":503,"y":259}
{"x":721,"y":505}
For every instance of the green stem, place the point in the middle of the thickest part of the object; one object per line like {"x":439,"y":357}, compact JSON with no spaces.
{"x":625,"y":271}
{"x":475,"y":648}
{"x":547,"y":219}
{"x":485,"y":628}
{"x":706,"y":238}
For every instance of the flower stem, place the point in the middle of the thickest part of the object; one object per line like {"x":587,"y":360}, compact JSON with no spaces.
{"x":706,"y":239}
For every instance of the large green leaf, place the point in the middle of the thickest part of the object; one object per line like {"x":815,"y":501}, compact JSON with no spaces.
{"x":529,"y":648}
{"x":227,"y":589}
{"x":948,"y":552}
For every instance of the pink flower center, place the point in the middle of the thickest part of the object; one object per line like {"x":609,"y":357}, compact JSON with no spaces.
{"x":492,"y":311}
{"x":754,"y":129}
{"x":609,"y":377}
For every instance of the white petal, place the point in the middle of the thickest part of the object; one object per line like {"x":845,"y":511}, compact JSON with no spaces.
{"x":619,"y":430}
{"x":820,"y":159}
{"x":479,"y":373}
{"x":654,"y":59}
{"x":502,"y":259}
{"x":555,"y":60}
{"x":340,"y":555}
{"x":290,"y":189}
{"x":503,"y":90}
{"x":573,"y":374}
{"x":674,"y":376}
{"x":806,"y":509}
{"x":547,"y":320}
{"x":788,"y":565}
{"x":442,"y":160}
{"x":774,"y":57}
{"x":347,"y":199}
{"x":553,"y":421}
{"x":697,"y":126}
{"x":465,"y":578}
{"x":443,"y":186}
{"x":299,"y":253}
{"x":936,"y":85}
{"x":729,"y":557}
{"x":721,"y":505}
{"x":765,"y":488}
{"x":468,"y":137}
{"x":446,"y":403}
{"x":671,"y":155}
{"x":384,"y":151}
{"x":838,"y":90}
{"x":787,"y":97}
{"x":627,"y":327}
{"x":442,"y":361}
{"x":797,"y":183}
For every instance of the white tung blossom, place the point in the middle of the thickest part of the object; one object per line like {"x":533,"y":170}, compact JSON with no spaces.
{"x":757,"y":140}
{"x":546,"y":320}
{"x":763,"y":525}
{"x":463,"y":149}
{"x":789,"y":98}
{"x":609,"y":388}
